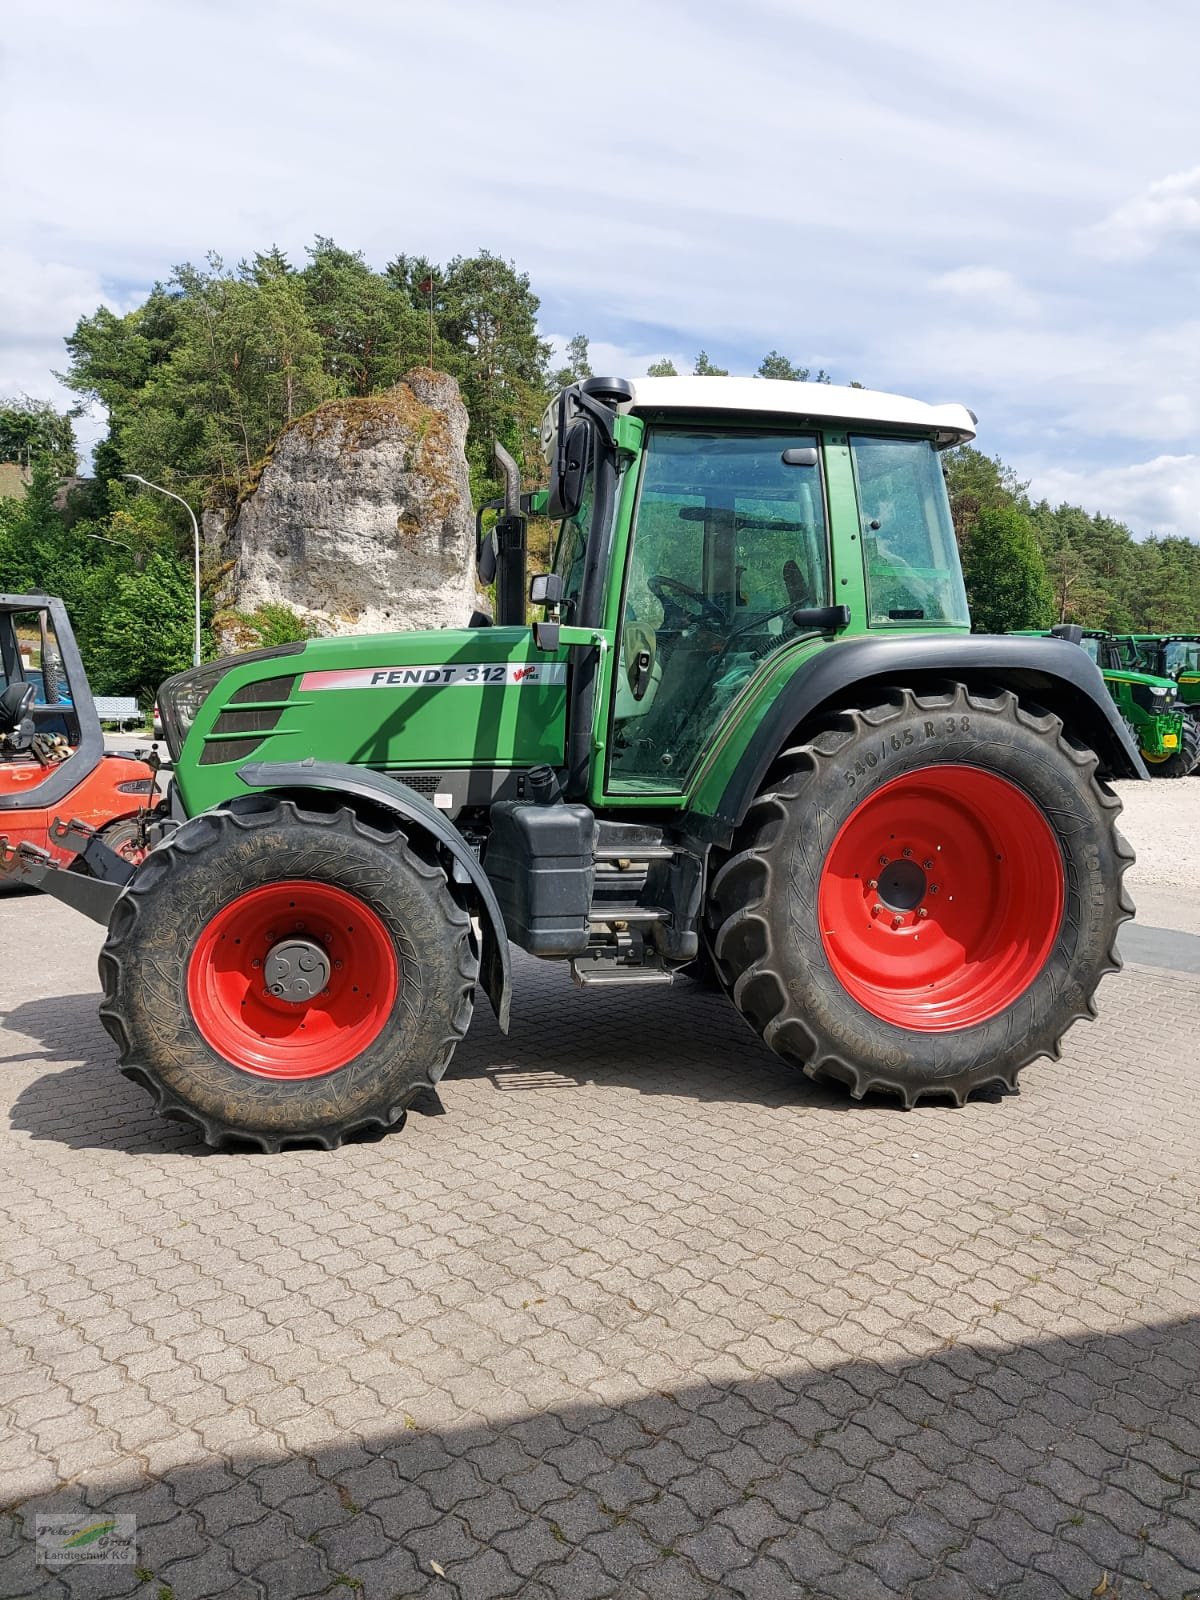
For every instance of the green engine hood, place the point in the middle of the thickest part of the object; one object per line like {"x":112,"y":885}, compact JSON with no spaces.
{"x":470,"y":697}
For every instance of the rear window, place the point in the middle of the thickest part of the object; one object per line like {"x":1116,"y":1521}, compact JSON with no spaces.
{"x":912,"y":565}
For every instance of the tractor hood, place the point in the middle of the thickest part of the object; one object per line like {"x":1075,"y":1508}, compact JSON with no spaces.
{"x":422,"y":703}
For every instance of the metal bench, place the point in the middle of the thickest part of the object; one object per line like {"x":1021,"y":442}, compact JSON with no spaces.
{"x":118,"y":708}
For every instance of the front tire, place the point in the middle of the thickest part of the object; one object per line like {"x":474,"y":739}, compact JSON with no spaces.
{"x":924,"y":897}
{"x":279,"y":976}
{"x":1182,"y":762}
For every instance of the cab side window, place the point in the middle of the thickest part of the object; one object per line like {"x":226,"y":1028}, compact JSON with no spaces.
{"x":913,"y":572}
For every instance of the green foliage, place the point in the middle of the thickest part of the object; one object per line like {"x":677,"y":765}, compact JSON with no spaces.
{"x":487,"y":316}
{"x":199,"y":381}
{"x":773,"y":365}
{"x":369,"y":331}
{"x":704,"y":368}
{"x":269,"y":625}
{"x":1005,"y":573}
{"x":978,"y":483}
{"x":577,"y":365}
{"x":141,"y":628}
{"x":665,"y":368}
{"x":31,"y":431}
{"x":1097,"y":573}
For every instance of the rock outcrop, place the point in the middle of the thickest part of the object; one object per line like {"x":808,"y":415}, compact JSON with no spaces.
{"x":361,"y":519}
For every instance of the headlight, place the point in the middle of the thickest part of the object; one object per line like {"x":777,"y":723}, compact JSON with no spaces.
{"x":180,"y":699}
{"x":1162,"y":699}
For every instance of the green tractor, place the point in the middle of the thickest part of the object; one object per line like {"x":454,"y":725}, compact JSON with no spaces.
{"x":1151,"y":702}
{"x":751,"y":732}
{"x":1168,"y":655}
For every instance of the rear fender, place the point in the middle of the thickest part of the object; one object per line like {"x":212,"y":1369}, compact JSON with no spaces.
{"x":364,"y":789}
{"x":1051,"y":673}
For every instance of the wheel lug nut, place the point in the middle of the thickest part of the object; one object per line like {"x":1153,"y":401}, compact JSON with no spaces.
{"x":897,"y":922}
{"x":883,"y":861}
{"x":921,"y":912}
{"x":906,"y":852}
{"x":256,"y":962}
{"x":872,"y":883}
{"x":933,"y":888}
{"x":928,"y":865}
{"x":338,"y":965}
{"x":876,"y":910}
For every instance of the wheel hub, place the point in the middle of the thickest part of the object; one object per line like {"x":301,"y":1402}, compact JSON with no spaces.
{"x":902,"y":885}
{"x":296,"y":970}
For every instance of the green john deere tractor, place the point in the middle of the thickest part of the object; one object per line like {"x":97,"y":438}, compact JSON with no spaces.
{"x":1168,"y":655}
{"x":752,"y":729}
{"x":1151,"y":703}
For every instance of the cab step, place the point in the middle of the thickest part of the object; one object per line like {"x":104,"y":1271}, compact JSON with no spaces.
{"x":590,"y":974}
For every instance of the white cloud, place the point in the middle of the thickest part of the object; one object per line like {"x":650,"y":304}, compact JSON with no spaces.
{"x":40,"y":301}
{"x":988,"y":289}
{"x":1168,"y":209}
{"x":618,"y":361}
{"x":1159,"y":496}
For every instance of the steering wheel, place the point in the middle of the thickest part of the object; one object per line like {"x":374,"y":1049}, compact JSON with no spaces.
{"x":706,"y":610}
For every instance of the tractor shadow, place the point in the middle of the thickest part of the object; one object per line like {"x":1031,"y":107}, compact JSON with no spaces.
{"x":683,"y":1042}
{"x":86,"y":1104}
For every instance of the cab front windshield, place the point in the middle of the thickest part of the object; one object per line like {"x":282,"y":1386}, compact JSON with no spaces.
{"x":1182,"y":655}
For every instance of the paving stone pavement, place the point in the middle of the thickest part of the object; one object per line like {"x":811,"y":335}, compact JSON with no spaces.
{"x":642,"y":1314}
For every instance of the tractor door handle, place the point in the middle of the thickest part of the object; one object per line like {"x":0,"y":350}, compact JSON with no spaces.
{"x":641,"y":674}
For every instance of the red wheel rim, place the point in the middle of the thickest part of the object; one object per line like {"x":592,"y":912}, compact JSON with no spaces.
{"x":940,"y":898}
{"x":247,"y":945}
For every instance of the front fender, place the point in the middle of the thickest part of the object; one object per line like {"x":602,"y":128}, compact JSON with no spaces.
{"x":391,"y":795}
{"x":1053,"y":673}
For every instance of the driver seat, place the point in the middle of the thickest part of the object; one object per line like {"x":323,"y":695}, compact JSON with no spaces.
{"x":16,"y":725}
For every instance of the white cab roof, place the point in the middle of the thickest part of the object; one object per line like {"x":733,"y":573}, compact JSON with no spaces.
{"x":815,"y":402}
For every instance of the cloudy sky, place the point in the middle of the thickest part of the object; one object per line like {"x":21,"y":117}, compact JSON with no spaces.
{"x":997,"y":203}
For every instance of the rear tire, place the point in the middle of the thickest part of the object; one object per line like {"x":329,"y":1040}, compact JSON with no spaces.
{"x":1185,"y":760}
{"x":280,"y":976}
{"x":833,"y":941}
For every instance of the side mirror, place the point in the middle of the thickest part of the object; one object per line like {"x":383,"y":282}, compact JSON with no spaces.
{"x":485,"y":543}
{"x":568,"y":476}
{"x":545,"y":589}
{"x":1071,"y":631}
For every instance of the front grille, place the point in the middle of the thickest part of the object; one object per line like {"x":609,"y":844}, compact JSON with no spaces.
{"x":255,"y":719}
{"x":228,"y":750}
{"x":262,"y":689}
{"x":245,"y":713}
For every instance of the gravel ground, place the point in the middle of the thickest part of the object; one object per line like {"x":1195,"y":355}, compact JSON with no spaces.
{"x":1162,"y":822}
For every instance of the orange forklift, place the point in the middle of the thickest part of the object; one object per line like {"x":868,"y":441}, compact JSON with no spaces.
{"x":61,"y":792}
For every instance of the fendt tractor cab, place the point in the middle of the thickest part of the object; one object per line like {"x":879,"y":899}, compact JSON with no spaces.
{"x":1150,"y":701}
{"x":53,"y":764}
{"x":751,"y":728}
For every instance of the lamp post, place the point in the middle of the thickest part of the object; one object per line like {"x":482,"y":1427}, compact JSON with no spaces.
{"x":135,"y":477}
{"x":104,"y":539}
